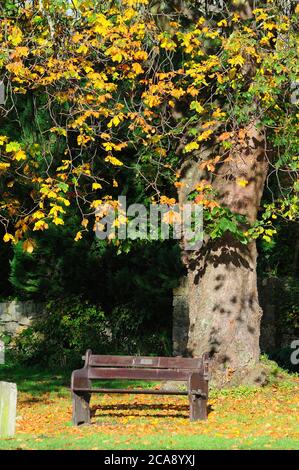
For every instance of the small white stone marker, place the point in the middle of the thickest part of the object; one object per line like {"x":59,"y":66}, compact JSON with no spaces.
{"x":8,"y":408}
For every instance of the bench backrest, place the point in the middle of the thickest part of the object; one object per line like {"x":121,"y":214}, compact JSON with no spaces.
{"x":142,"y":367}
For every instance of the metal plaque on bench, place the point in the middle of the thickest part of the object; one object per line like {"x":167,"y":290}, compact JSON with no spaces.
{"x":144,"y":362}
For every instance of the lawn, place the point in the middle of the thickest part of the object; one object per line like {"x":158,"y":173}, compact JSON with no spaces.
{"x":241,"y":418}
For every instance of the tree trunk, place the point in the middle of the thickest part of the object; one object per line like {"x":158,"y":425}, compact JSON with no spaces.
{"x":224,"y":311}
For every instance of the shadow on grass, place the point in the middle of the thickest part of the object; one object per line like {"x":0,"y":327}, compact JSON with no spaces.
{"x":35,"y":380}
{"x":38,"y":381}
{"x":153,"y":410}
{"x":157,"y":410}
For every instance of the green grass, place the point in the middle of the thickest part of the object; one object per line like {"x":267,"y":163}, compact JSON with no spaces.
{"x":100,"y":441}
{"x":241,"y":418}
{"x":37,"y":381}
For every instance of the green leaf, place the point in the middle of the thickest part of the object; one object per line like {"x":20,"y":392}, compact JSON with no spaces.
{"x":64,"y":187}
{"x":227,"y":225}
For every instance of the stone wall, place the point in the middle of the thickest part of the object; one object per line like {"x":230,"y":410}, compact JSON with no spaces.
{"x":15,"y":315}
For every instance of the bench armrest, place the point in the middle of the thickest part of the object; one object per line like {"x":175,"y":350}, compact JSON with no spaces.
{"x":80,"y":380}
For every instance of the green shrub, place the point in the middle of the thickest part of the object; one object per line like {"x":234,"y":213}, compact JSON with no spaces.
{"x":129,"y":336}
{"x":71,"y":326}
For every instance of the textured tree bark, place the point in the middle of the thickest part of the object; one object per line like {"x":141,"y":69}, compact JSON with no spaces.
{"x":224,"y":311}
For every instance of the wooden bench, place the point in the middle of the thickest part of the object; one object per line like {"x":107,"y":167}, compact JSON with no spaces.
{"x":194,"y":371}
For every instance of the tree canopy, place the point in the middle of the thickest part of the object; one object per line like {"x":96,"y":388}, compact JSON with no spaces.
{"x":114,"y":97}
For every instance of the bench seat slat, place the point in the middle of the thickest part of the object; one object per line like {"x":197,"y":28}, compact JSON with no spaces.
{"x":135,"y":392}
{"x":145,"y":362}
{"x":138,"y":374}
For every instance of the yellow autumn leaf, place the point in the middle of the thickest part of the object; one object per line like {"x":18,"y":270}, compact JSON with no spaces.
{"x":65,"y":166}
{"x":108,"y":146}
{"x":132,"y":3}
{"x":95,"y":204}
{"x":28,"y":246}
{"x":191,"y":146}
{"x":241,"y":182}
{"x":260,"y":14}
{"x":78,"y":236}
{"x":237,"y":60}
{"x":151,"y":100}
{"x":16,"y":36}
{"x":83,"y":139}
{"x":119,"y":147}
{"x":20,"y":155}
{"x":115,"y":121}
{"x":8,"y":237}
{"x":83,"y":49}
{"x":192,"y":91}
{"x":137,"y":68}
{"x":172,"y":217}
{"x":96,"y":186}
{"x":20,"y":52}
{"x":38,"y":215}
{"x":56,"y":209}
{"x":77,"y":37}
{"x":66,"y":202}
{"x":177,"y":93}
{"x":224,"y":136}
{"x":59,"y":130}
{"x":114,"y":161}
{"x":208,"y":124}
{"x":4,"y":166}
{"x":222,"y":23}
{"x":217,"y":114}
{"x":205,"y":135}
{"x":121,"y":220}
{"x":40,"y":225}
{"x":197,"y":107}
{"x":166,"y":200}
{"x":58,"y":221}
{"x":140,"y":55}
{"x":168,"y":44}
{"x":49,"y":193}
{"x":105,"y":136}
{"x":115,"y":54}
{"x":3,"y":139}
{"x":129,"y":14}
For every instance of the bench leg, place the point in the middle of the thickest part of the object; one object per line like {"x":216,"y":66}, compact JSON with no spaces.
{"x":198,"y":403}
{"x":81,"y":410}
